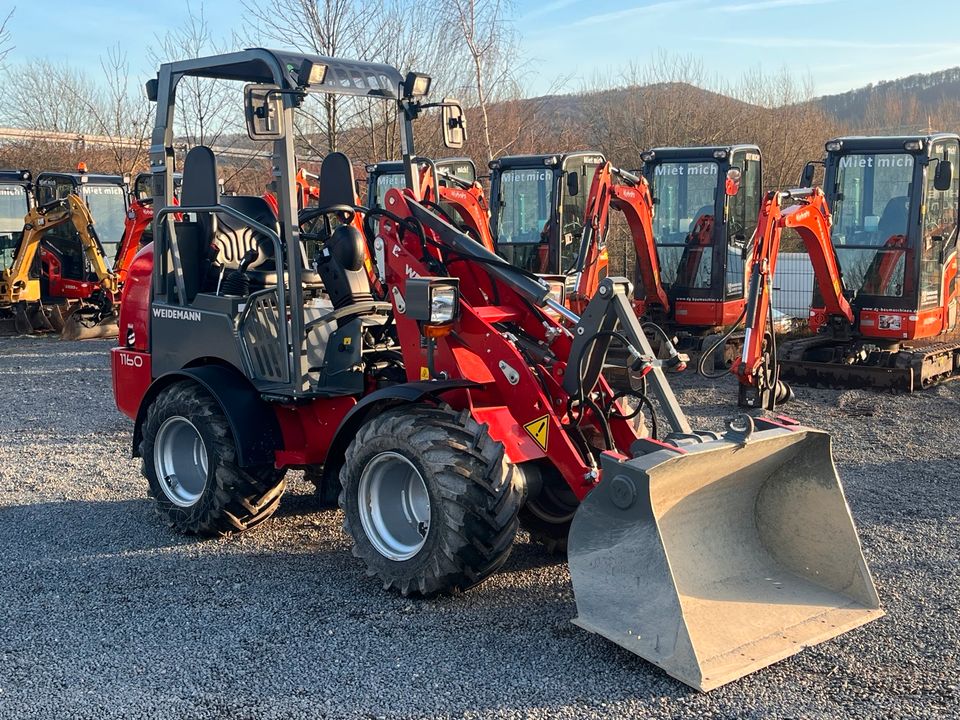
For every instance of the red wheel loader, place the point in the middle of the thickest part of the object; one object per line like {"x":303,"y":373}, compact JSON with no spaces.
{"x":459,"y":409}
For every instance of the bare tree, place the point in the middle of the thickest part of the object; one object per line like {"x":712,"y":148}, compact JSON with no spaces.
{"x":483,"y":26}
{"x":118,"y":112}
{"x":6,"y":40}
{"x":205,"y":107}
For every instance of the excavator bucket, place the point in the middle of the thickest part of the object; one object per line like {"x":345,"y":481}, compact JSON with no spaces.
{"x":723,"y":557}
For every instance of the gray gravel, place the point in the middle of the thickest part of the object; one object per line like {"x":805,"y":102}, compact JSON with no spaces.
{"x":105,"y":613}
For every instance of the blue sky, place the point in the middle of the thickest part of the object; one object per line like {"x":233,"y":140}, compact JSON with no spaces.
{"x":841,"y":44}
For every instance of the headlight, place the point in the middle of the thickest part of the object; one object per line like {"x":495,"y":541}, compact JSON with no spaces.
{"x":558,"y":291}
{"x":416,"y":85}
{"x":913,"y":145}
{"x":834,"y":146}
{"x":720,"y":154}
{"x":311,"y":74}
{"x":444,"y":300}
{"x":434,"y":302}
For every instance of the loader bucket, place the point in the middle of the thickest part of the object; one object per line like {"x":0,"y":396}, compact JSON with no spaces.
{"x":720,"y":560}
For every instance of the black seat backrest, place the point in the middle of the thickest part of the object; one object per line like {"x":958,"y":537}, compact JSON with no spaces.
{"x":337,"y":185}
{"x":234,"y":238}
{"x":894,"y":218}
{"x":200,"y":184}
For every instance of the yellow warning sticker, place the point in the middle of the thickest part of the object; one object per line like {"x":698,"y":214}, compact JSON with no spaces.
{"x":424,"y":372}
{"x":538,"y":430}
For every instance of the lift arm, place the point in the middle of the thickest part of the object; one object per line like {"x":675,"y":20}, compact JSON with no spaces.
{"x":466,"y":198}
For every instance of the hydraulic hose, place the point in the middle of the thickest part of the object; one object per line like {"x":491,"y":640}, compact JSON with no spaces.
{"x":702,"y":364}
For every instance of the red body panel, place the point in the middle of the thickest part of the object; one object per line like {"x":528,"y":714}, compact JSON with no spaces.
{"x":60,"y":286}
{"x":135,"y":301}
{"x":308,"y":429}
{"x":132,"y":375}
{"x":706,"y":313}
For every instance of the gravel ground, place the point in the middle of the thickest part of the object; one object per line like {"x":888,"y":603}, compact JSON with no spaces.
{"x":105,"y":613}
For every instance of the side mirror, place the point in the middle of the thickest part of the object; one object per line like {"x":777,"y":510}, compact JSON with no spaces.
{"x":263,"y":108}
{"x":943,"y":176}
{"x":573,"y":183}
{"x":153,"y":89}
{"x":734,"y":175}
{"x":806,"y":177}
{"x":454,"y":127}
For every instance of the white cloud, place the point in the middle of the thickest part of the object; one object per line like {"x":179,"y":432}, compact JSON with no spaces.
{"x":638,"y":10}
{"x":768,"y":4}
{"x":547,"y":9}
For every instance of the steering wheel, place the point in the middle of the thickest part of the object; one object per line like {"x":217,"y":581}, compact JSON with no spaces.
{"x":349,"y":210}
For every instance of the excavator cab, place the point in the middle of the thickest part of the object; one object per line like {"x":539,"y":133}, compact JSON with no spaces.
{"x":383,"y":176}
{"x":538,"y":208}
{"x":16,"y":199}
{"x":703,"y":223}
{"x":893,"y":229}
{"x":107,"y":197}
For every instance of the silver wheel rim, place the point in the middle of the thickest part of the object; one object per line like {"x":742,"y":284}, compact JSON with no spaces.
{"x":180,"y":459}
{"x":394,"y":506}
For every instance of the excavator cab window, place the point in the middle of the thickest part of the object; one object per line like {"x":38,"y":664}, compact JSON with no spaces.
{"x":385,"y":182}
{"x":13,"y":207}
{"x":940,"y":209}
{"x":685,"y":197}
{"x":871,"y":218}
{"x":742,"y":212}
{"x":108,"y":205}
{"x":578,"y":172}
{"x":523,"y":232}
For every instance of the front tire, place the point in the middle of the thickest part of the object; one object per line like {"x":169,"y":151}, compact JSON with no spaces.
{"x":430,"y":500}
{"x":190,"y":461}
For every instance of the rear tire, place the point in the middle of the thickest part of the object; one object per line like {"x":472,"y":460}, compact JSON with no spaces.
{"x":430,"y":500}
{"x":190,"y":463}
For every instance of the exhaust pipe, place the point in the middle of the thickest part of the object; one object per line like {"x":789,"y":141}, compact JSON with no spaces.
{"x":714,"y":560}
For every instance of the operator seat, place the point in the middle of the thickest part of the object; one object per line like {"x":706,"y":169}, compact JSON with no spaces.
{"x":340,"y":261}
{"x":232,"y":239}
{"x":894,"y":219}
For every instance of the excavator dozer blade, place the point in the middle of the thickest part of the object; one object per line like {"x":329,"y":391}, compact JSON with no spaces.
{"x":723,"y":558}
{"x":78,"y":327}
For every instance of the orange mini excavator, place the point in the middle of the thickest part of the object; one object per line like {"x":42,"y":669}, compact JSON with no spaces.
{"x":885,"y":264}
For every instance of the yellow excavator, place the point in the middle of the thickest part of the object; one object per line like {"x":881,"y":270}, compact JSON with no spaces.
{"x":32,"y":301}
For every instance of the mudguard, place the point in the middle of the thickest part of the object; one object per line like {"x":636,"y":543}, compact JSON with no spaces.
{"x":253,"y":422}
{"x":379,"y":401}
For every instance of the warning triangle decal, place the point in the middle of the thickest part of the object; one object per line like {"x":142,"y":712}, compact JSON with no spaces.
{"x":538,"y":430}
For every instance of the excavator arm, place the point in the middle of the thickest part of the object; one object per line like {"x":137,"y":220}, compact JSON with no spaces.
{"x":810,"y":217}
{"x":617,"y":189}
{"x":466,"y":198}
{"x":93,"y":250}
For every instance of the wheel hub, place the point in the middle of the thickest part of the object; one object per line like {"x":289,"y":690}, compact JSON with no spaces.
{"x":180,"y":460}
{"x":394,"y":506}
